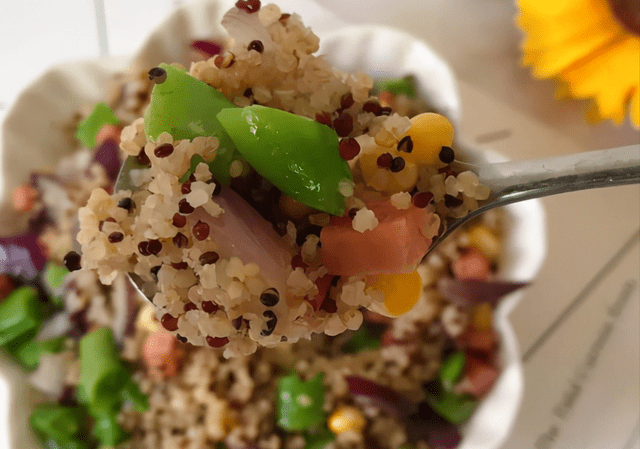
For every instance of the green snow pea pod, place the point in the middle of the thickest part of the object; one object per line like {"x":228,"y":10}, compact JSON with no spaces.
{"x":131,"y":392}
{"x":397,"y":86}
{"x":20,"y":316}
{"x":107,"y":429}
{"x":298,"y":155}
{"x":102,"y":375}
{"x":29,"y":353}
{"x":61,"y":424}
{"x":186,"y":108}
{"x":54,"y":277}
{"x":455,"y":408}
{"x":87,"y":130}
{"x":362,"y":340}
{"x":320,"y":440}
{"x":300,"y":403}
{"x":451,"y":369}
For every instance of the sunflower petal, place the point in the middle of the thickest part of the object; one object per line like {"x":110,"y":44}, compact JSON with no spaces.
{"x":634,"y":108}
{"x":609,"y":76}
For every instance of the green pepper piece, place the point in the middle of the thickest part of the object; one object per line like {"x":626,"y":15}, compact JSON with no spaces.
{"x":102,"y":374}
{"x":300,"y":403}
{"x":186,"y":108}
{"x":131,"y":392}
{"x":87,"y":130}
{"x":20,"y":316}
{"x":398,"y":86}
{"x":451,"y":369}
{"x":59,"y":423}
{"x":298,"y":155}
{"x":455,"y":408}
{"x":29,"y":353}
{"x":361,"y":340}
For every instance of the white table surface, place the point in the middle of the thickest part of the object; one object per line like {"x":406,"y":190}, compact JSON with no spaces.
{"x":581,"y":354}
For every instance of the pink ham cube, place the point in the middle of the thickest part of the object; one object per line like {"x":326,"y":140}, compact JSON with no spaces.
{"x":396,"y":245}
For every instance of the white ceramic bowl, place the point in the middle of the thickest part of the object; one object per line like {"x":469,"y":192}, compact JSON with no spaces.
{"x":32,"y":139}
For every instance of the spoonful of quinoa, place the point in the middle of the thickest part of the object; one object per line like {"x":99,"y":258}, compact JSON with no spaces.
{"x":268,"y":196}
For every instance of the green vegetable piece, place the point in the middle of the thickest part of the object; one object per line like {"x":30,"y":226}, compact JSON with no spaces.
{"x":58,"y":423}
{"x":186,"y":108}
{"x":453,"y":407}
{"x":87,"y":130}
{"x":361,"y":340}
{"x":451,"y":369}
{"x":300,"y":403}
{"x":54,"y":277}
{"x":102,"y":375}
{"x":400,"y":86}
{"x":131,"y":392}
{"x":320,"y":440}
{"x":298,"y":155}
{"x":107,"y":429}
{"x":19,"y":315}
{"x":29,"y":353}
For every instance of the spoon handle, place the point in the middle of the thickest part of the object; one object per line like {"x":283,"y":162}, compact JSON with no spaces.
{"x":522,"y":180}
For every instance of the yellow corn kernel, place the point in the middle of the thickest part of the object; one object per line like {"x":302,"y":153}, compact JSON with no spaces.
{"x":345,"y":419}
{"x":146,"y":319}
{"x":482,"y":317}
{"x":401,"y":291}
{"x":429,"y":133}
{"x":486,"y":241}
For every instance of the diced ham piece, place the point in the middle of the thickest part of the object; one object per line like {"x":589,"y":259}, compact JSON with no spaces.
{"x":108,"y":132}
{"x":472,"y":264}
{"x":479,"y":377}
{"x":396,"y":245}
{"x":161,"y":351}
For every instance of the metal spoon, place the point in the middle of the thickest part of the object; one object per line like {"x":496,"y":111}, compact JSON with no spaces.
{"x":512,"y":182}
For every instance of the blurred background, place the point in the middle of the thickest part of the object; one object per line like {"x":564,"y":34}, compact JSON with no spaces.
{"x":582,"y":385}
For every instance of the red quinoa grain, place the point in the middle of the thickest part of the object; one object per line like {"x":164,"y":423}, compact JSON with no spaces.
{"x":349,"y":148}
{"x":201,"y":230}
{"x":217,"y":342}
{"x":164,"y":150}
{"x":169,"y":322}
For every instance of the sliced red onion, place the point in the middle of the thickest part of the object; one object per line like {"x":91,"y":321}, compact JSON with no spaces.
{"x":369,"y":392}
{"x":108,"y":155}
{"x":209,"y":48}
{"x":466,"y":292}
{"x":21,"y":255}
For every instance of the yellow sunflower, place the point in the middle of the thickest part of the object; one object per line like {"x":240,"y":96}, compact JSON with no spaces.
{"x":591,"y":47}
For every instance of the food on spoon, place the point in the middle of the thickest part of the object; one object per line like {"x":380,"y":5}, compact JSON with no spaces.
{"x":260,"y":157}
